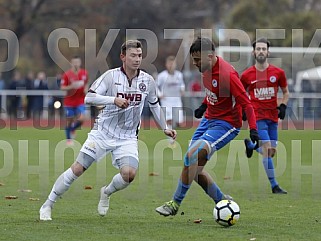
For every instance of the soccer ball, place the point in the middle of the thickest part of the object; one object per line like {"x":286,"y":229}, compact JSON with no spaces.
{"x":226,"y":212}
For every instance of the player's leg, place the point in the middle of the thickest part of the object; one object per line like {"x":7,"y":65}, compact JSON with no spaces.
{"x":125,"y":158}
{"x":273,"y":134}
{"x":198,"y":149}
{"x":188,"y":173}
{"x":79,"y":120}
{"x":263,"y":131}
{"x":63,"y":183}
{"x":70,"y":115}
{"x":219,"y":135}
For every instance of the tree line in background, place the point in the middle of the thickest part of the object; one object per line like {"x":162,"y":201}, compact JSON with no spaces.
{"x":33,"y":21}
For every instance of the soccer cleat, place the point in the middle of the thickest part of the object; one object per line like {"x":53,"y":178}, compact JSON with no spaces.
{"x":278,"y":190}
{"x":248,"y":149}
{"x":45,"y":213}
{"x":103,"y":204}
{"x":169,"y":208}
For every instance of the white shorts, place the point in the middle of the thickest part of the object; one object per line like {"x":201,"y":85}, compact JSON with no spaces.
{"x":173,"y":109}
{"x":98,"y":145}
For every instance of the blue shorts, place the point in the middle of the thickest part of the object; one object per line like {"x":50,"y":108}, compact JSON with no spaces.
{"x":75,"y":111}
{"x":268,"y":131}
{"x":217,"y":133}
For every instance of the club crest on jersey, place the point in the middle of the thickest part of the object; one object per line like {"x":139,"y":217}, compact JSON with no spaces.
{"x":142,"y":87}
{"x":214,"y":83}
{"x":272,"y":79}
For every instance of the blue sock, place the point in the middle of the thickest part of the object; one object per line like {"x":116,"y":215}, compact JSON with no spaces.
{"x":75,"y":125}
{"x":68,"y":132}
{"x":260,"y":150}
{"x":269,"y":169}
{"x":180,"y":192}
{"x":251,"y":145}
{"x":214,"y":192}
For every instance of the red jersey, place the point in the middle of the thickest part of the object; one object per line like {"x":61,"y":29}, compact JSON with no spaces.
{"x":263,"y":88}
{"x":74,"y":97}
{"x":226,"y":96}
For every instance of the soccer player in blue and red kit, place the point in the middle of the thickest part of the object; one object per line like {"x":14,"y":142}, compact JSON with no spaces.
{"x":74,"y":81}
{"x":262,"y":82}
{"x":225,"y":99}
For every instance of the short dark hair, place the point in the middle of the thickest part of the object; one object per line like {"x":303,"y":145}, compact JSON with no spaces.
{"x":130,"y":44}
{"x":261,"y":40}
{"x":202,"y":44}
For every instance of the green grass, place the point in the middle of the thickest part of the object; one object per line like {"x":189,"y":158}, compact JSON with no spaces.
{"x":264,"y":216}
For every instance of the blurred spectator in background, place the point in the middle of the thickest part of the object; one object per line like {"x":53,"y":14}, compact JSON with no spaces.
{"x":55,"y":102}
{"x":171,"y":88}
{"x":195,"y":88}
{"x":2,"y":87}
{"x":40,"y":83}
{"x":14,"y":101}
{"x":29,"y":81}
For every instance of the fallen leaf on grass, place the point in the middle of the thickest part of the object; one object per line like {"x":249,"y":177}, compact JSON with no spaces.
{"x":153,"y":174}
{"x":10,"y":197}
{"x":197,"y":220}
{"x":88,"y":187}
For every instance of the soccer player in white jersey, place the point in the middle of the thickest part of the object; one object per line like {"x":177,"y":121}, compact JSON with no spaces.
{"x":122,"y":91}
{"x":171,"y":88}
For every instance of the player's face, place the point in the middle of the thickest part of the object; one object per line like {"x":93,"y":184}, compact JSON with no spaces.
{"x":133,"y":58}
{"x":171,"y":65}
{"x":76,"y":63}
{"x":261,"y":52}
{"x":202,"y":61}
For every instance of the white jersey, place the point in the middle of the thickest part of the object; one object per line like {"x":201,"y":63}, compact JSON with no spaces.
{"x":170,"y":85}
{"x":121,"y":123}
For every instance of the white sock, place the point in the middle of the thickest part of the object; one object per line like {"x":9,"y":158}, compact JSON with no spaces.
{"x":61,"y":185}
{"x":116,"y":184}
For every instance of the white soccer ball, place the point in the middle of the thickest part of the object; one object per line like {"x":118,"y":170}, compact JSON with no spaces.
{"x":226,"y":213}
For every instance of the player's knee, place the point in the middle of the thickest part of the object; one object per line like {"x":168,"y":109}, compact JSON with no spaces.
{"x":197,"y":152}
{"x":128,"y":173}
{"x":77,"y":169}
{"x":271,"y":152}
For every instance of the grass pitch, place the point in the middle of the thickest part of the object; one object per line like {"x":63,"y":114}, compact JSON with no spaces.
{"x":31,"y":160}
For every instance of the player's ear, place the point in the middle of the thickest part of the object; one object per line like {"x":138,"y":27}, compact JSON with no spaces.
{"x":122,"y":57}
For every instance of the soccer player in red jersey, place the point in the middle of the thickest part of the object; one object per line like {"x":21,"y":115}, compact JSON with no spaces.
{"x":262,"y":82}
{"x":74,"y":81}
{"x":225,"y":99}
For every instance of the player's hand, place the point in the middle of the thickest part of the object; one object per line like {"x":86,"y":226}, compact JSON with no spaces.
{"x":170,"y":133}
{"x":198,"y":113}
{"x":282,"y":109}
{"x":121,"y":102}
{"x":254,"y":137}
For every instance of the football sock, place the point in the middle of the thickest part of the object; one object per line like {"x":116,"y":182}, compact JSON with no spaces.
{"x":251,"y":145}
{"x":68,"y":132}
{"x":260,"y":150}
{"x":61,"y":185}
{"x":269,"y":169}
{"x":75,"y":125}
{"x":118,"y":183}
{"x":214,"y":192}
{"x":180,"y":192}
